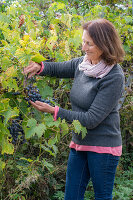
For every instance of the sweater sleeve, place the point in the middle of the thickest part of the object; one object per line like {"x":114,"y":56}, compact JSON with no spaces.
{"x":61,"y":69}
{"x":107,"y":97}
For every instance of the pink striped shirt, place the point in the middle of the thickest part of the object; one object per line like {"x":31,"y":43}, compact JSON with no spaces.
{"x":116,"y":151}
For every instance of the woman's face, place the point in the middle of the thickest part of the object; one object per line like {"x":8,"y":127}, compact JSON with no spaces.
{"x":92,"y":51}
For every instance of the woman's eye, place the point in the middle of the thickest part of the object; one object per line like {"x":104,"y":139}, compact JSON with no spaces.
{"x":89,"y":44}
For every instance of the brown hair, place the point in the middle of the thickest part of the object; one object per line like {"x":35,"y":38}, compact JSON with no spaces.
{"x":106,"y":38}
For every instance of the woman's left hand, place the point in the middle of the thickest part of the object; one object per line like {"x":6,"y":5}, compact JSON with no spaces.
{"x":43,"y":107}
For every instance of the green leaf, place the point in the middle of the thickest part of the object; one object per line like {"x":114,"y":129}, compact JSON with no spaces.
{"x":10,"y":114}
{"x":52,"y":141}
{"x":47,"y":149}
{"x":77,"y":126}
{"x":50,"y":122}
{"x":48,"y":165}
{"x":40,"y":129}
{"x":45,"y":90}
{"x":64,"y":127}
{"x":32,"y":128}
{"x":31,"y":122}
{"x":83,"y":131}
{"x":55,"y":149}
{"x":29,"y":132}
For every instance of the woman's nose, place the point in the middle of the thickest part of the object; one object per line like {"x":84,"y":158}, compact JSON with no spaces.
{"x":84,"y":47}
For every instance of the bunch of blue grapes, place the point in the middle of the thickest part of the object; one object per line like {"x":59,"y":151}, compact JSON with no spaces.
{"x":32,"y":94}
{"x":17,"y":131}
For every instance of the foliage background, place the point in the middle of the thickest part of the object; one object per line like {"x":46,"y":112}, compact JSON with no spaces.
{"x":52,"y":29}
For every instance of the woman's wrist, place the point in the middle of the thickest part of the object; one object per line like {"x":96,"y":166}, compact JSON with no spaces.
{"x":41,"y":68}
{"x":56,"y":112}
{"x":52,"y":110}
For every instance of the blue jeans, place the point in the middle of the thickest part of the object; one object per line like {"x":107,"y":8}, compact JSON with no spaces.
{"x":86,"y":165}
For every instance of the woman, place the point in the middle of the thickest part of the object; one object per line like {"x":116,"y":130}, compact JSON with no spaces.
{"x":97,"y":87}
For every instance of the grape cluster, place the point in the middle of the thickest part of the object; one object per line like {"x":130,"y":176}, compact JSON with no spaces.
{"x":14,"y":93}
{"x":33,"y":94}
{"x":16,"y":130}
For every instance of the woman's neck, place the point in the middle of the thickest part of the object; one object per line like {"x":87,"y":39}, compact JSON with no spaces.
{"x":94,"y":62}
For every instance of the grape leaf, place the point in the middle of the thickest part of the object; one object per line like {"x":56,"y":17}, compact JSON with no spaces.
{"x":32,"y":128}
{"x":10,"y":114}
{"x":48,"y":165}
{"x":77,"y":126}
{"x":4,"y":105}
{"x":45,"y":90}
{"x":47,"y":150}
{"x":64,"y":127}
{"x":83,"y":131}
{"x":49,"y":121}
{"x":6,"y":146}
{"x":2,"y":165}
{"x":40,"y":129}
{"x":52,"y":141}
{"x":29,"y":132}
{"x":31,"y":123}
{"x":38,"y":58}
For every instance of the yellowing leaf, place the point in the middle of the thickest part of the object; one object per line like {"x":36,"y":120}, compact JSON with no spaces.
{"x":66,"y":19}
{"x":29,"y":160}
{"x":4,"y":105}
{"x":2,"y":165}
{"x":9,"y":83}
{"x":26,"y":38}
{"x":4,"y":42}
{"x":67,"y":48}
{"x":7,"y":147}
{"x":51,"y":42}
{"x":5,"y":62}
{"x":38,"y":58}
{"x":10,"y":72}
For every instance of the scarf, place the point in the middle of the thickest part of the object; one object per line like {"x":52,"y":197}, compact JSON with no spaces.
{"x":98,"y":70}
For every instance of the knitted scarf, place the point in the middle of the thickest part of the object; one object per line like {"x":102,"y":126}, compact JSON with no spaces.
{"x":98,"y":70}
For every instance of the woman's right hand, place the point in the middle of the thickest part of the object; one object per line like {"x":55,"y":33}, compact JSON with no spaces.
{"x":32,"y":69}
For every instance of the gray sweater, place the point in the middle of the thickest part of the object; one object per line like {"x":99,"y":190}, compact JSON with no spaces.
{"x":94,"y":102}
